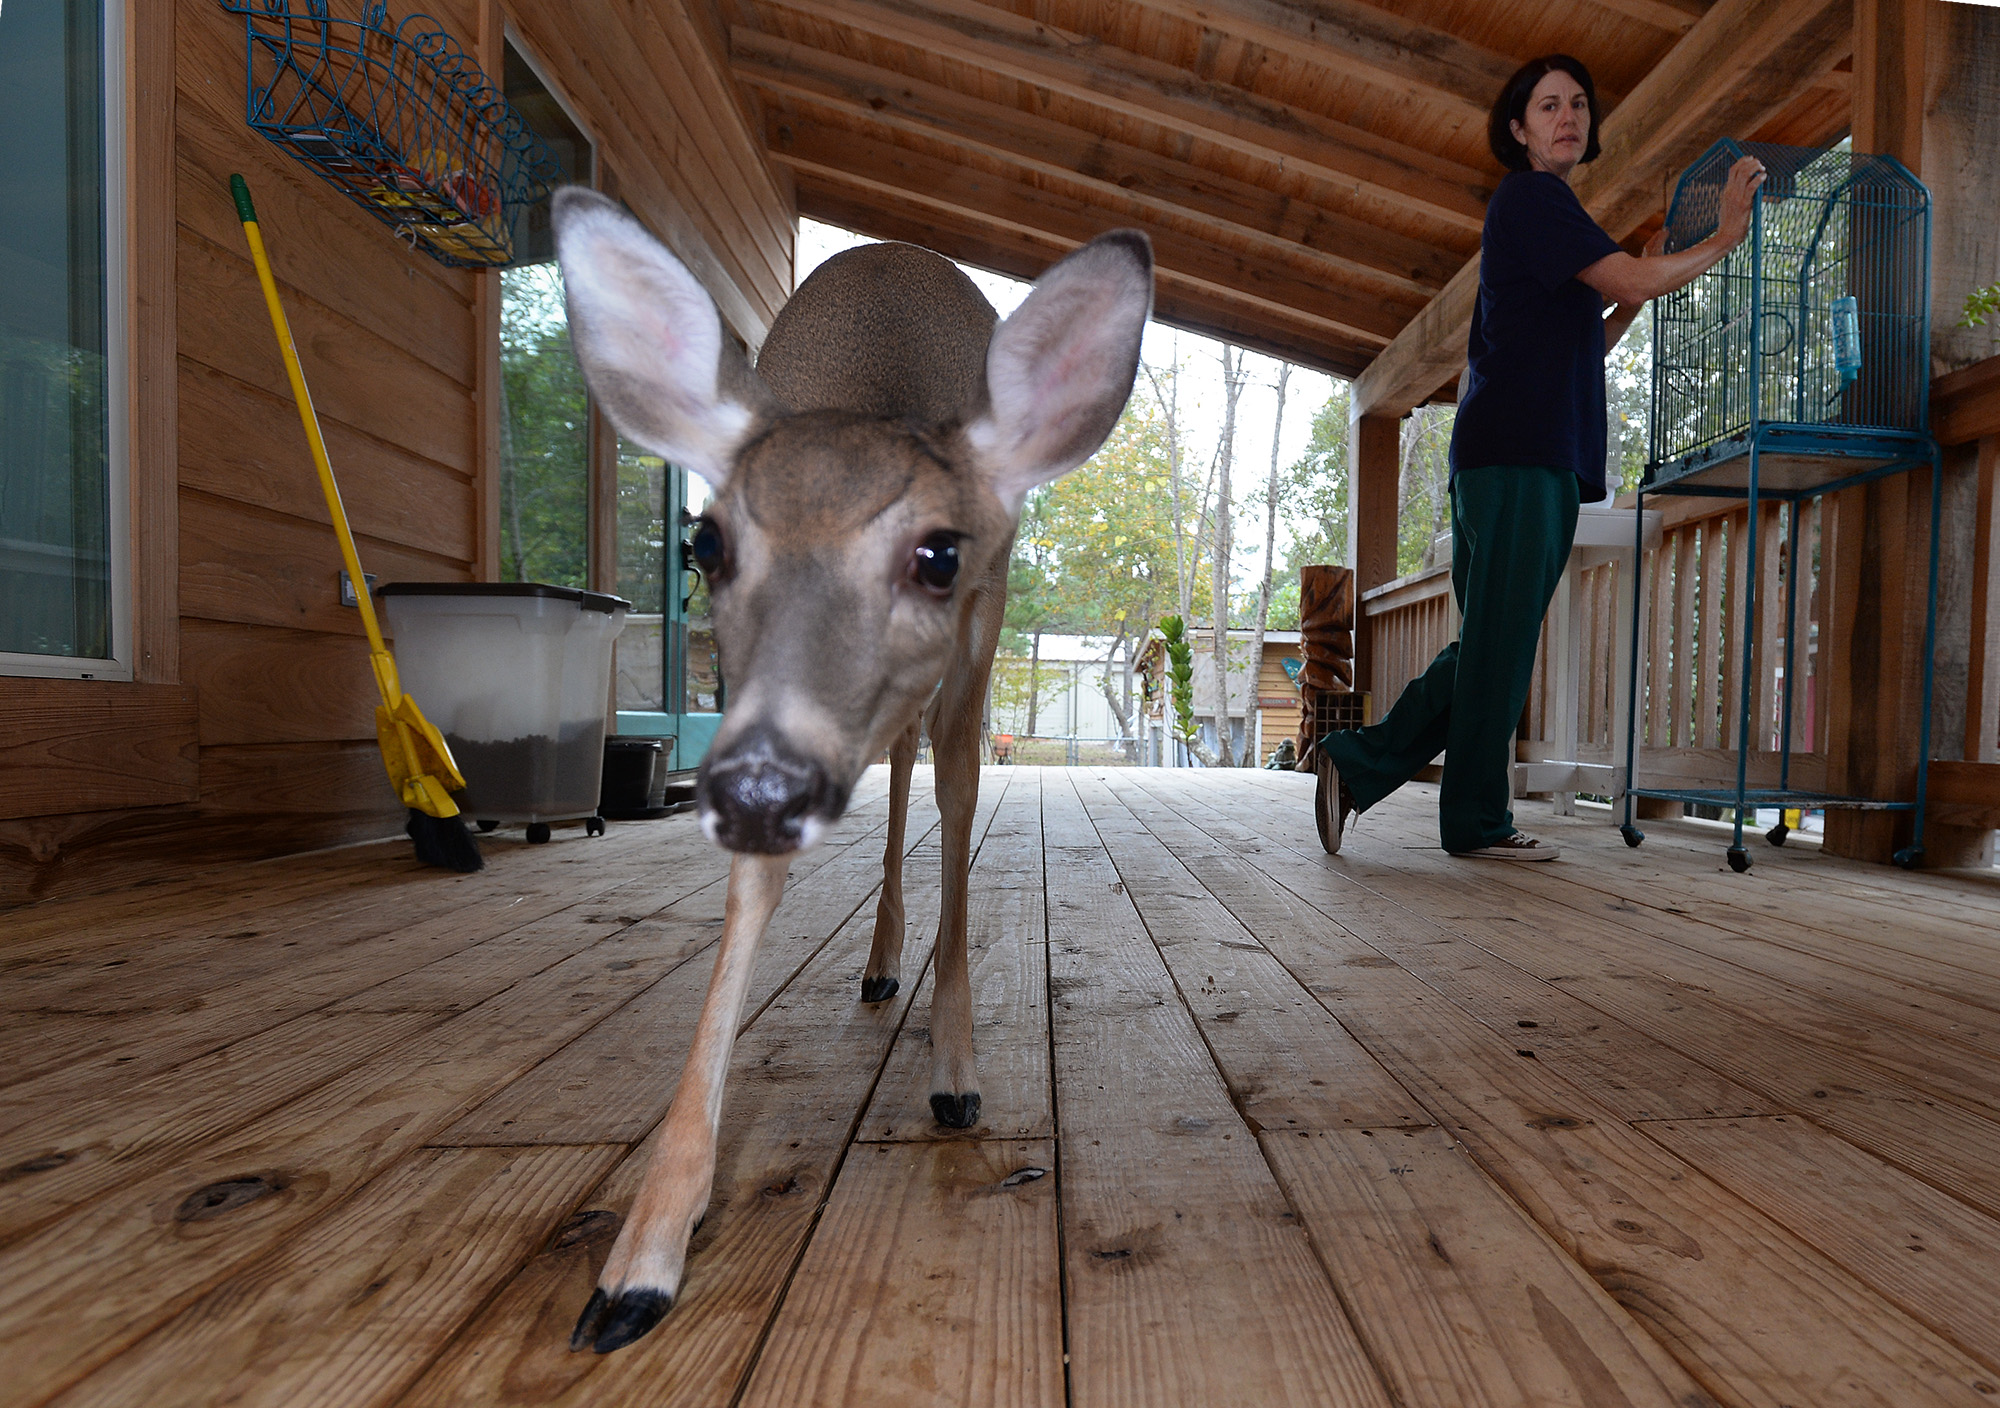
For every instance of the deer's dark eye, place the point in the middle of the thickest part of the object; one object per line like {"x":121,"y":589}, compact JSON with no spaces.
{"x":935,"y":564}
{"x":706,"y":549}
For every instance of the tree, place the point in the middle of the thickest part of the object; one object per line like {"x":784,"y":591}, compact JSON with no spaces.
{"x":544,"y":435}
{"x":1263,"y":613}
{"x":1628,"y":394}
{"x":1314,"y":489}
{"x":1218,"y":569}
{"x":1423,"y":489}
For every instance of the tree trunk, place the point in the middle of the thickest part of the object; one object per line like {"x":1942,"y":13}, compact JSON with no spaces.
{"x":1218,"y":563}
{"x":1263,"y":616}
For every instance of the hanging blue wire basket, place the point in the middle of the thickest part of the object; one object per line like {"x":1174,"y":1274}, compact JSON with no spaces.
{"x":401,"y":120}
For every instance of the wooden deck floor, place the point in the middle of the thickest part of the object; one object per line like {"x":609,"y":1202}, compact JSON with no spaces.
{"x":1265,"y":1127}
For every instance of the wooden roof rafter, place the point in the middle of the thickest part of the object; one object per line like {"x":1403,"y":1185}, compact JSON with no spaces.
{"x":1288,"y":228}
{"x":1312,"y":172}
{"x":1080,"y":67}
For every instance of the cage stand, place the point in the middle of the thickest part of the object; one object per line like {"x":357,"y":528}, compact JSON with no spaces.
{"x":1881,"y":452}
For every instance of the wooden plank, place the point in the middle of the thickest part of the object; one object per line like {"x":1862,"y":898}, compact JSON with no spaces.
{"x":1707,"y":699}
{"x":621,"y":101}
{"x":363,"y":381}
{"x":1927,"y":1252}
{"x":1967,"y":403}
{"x":346,"y":262}
{"x":76,"y":1295}
{"x":1234,"y":209}
{"x":264,"y":684}
{"x":209,"y":69}
{"x":444,"y":962}
{"x":242,"y":442}
{"x":367,"y":1295}
{"x":1681,"y":647}
{"x":853,"y":158}
{"x":1462,"y":1299}
{"x":247,"y":566}
{"x":1101,"y":75}
{"x":1028,"y":257}
{"x":1288,"y":1066}
{"x":1376,"y":46}
{"x":1189,"y":1280}
{"x":798,"y":1081}
{"x":934,"y":1277}
{"x":1745,"y":1307}
{"x":76,"y":745}
{"x":55,"y":1155}
{"x":1635,"y":1076}
{"x":615,"y":1082}
{"x":1867,"y":1101}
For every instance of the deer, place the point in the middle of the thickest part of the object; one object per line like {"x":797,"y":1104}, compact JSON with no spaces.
{"x":867,"y":479}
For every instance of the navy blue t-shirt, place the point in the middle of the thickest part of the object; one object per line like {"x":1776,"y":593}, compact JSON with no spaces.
{"x":1535,"y":374}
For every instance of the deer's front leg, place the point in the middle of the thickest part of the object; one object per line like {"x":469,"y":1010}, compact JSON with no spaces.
{"x":884,"y":972}
{"x":643,"y":1273}
{"x":955,"y":740}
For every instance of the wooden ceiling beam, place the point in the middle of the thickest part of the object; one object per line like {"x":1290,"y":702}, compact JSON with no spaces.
{"x":1364,"y":42}
{"x":1259,"y":284}
{"x":974,"y":240}
{"x":1230,"y":209}
{"x":1090,"y":71}
{"x":1741,"y":65}
{"x":1674,"y":16}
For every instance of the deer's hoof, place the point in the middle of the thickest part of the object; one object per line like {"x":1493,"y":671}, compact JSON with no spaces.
{"x":956,"y":1111}
{"x":607,"y":1324}
{"x":878,"y":989}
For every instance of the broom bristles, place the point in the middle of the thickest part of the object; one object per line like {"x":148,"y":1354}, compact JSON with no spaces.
{"x":443,"y":842}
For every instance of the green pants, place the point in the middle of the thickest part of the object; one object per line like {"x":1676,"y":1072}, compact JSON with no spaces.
{"x":1511,"y":529}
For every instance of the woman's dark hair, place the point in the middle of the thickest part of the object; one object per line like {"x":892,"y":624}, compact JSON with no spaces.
{"x":1512,"y":107}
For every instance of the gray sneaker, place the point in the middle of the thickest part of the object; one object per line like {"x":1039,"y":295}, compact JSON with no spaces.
{"x":1332,"y":805}
{"x":1519,"y":846}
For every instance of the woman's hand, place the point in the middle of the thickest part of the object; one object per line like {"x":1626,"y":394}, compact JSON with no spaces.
{"x":1623,"y":279}
{"x":1739,"y":198}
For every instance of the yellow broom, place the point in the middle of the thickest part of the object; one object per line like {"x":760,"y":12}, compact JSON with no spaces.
{"x":419,"y":762}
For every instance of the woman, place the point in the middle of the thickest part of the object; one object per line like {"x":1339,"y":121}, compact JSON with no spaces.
{"x":1527,"y":447}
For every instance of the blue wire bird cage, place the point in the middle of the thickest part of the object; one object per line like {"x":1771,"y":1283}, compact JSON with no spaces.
{"x":1812,"y":337}
{"x":401,"y":120}
{"x":1796,"y":366}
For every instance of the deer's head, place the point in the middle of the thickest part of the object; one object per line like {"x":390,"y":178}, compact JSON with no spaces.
{"x":859,"y":517}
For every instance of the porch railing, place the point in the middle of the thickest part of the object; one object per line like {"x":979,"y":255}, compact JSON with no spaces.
{"x":1572,"y":733}
{"x":1694,"y":566}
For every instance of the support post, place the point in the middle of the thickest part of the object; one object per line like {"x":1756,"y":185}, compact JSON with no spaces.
{"x":1373,"y":462}
{"x":1903,"y":51}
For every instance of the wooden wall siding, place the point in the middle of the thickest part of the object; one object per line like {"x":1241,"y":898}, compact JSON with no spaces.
{"x":401,"y":356}
{"x":648,"y":85}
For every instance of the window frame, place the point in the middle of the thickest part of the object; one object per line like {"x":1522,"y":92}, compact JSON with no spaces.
{"x":119,"y":665}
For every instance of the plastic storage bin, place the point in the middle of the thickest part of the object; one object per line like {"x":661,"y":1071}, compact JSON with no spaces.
{"x":516,"y":675}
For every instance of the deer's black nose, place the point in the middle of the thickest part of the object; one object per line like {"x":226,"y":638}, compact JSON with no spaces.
{"x":760,"y":796}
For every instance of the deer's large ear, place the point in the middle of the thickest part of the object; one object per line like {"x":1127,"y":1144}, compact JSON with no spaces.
{"x":1059,"y":371}
{"x":650,"y":340}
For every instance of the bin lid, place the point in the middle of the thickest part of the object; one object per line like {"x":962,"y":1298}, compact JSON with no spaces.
{"x":586,"y":601}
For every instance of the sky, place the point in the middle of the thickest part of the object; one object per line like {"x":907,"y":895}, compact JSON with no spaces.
{"x":1201,"y":392}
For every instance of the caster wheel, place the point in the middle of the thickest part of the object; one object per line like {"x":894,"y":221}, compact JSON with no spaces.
{"x":593,"y":826}
{"x":1777,"y":834}
{"x":1908,"y":857}
{"x":486,"y":825}
{"x":1739,"y":859}
{"x":538,"y":833}
{"x":1632,"y":834}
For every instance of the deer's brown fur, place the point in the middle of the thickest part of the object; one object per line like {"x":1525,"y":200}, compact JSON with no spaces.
{"x":889,"y":425}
